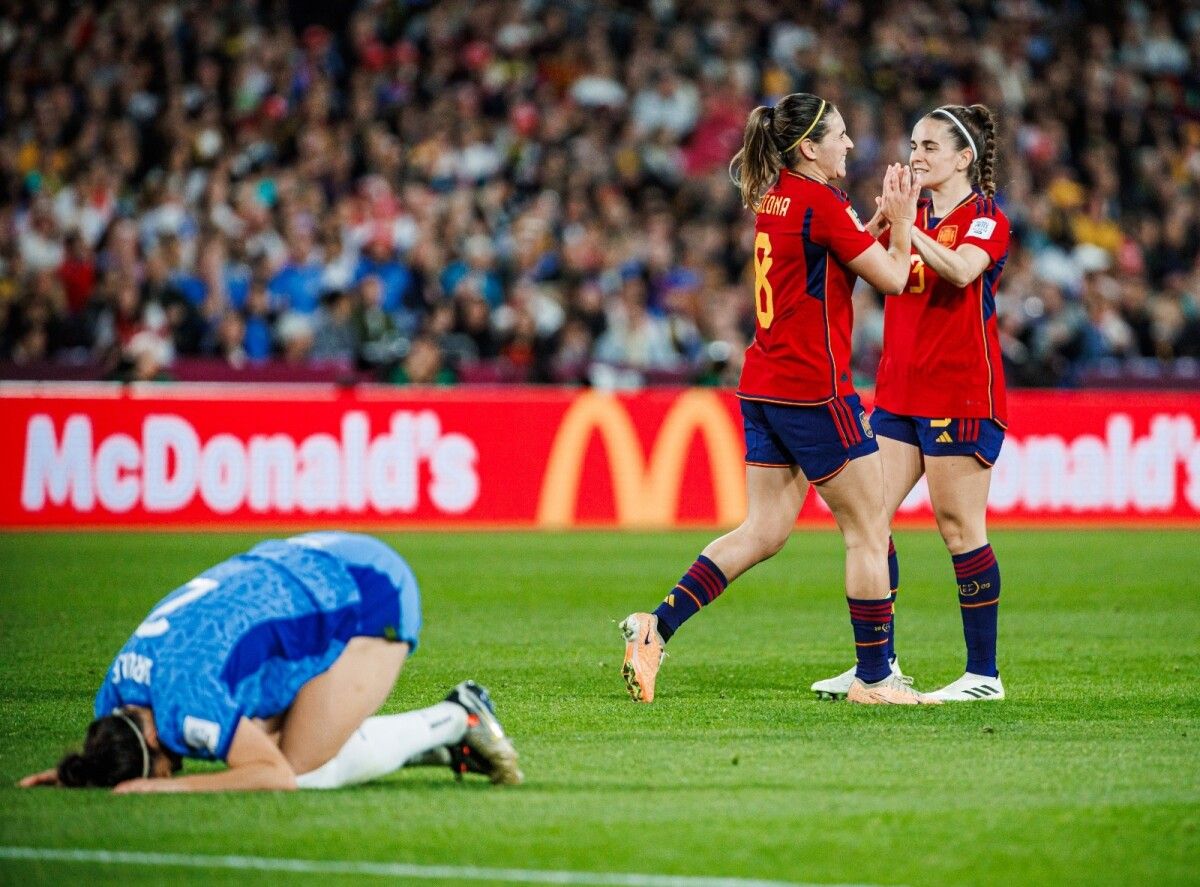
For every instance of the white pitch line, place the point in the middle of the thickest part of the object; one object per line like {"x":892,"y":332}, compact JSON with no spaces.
{"x":384,"y":869}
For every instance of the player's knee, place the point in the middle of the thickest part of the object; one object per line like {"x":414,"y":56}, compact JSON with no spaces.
{"x":867,"y":543}
{"x":954,"y":530}
{"x":868,"y":532}
{"x":773,"y":544}
{"x":869,"y":536}
{"x":767,"y":538}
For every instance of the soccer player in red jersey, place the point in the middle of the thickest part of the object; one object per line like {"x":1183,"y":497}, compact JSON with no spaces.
{"x":939,"y":397}
{"x":804,"y":423}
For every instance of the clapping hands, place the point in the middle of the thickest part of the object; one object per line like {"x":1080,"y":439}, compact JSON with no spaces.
{"x":898,"y":203}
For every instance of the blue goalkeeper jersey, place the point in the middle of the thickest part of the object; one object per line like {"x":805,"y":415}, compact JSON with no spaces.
{"x":243,"y":637}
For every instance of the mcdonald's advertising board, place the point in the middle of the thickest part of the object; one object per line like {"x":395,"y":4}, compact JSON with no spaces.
{"x":187,"y":456}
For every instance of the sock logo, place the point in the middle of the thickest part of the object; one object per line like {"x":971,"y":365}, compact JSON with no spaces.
{"x":669,"y":600}
{"x":885,"y":627}
{"x":972,"y":588}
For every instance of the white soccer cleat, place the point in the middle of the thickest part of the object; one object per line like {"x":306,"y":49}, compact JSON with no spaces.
{"x":892,"y":690}
{"x":837,"y":688}
{"x":971,"y":688}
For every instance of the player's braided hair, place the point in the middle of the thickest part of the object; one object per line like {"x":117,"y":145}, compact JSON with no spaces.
{"x":111,"y":754}
{"x":981,"y":125}
{"x":772,"y":142}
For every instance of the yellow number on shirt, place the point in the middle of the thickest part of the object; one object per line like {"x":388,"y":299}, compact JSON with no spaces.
{"x":918,"y":268}
{"x":764,"y":296}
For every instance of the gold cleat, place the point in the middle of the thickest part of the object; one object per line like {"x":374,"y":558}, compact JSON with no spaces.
{"x":892,"y":690}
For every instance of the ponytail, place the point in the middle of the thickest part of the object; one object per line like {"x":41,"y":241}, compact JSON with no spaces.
{"x":771,"y":142}
{"x":758,"y":162}
{"x":986,"y":169}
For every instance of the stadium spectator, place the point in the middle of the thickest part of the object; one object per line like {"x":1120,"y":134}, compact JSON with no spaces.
{"x":77,"y":272}
{"x":376,"y":333}
{"x":423,"y":365}
{"x":379,"y":261}
{"x":476,"y":270}
{"x":260,"y":317}
{"x":297,"y":285}
{"x":230,"y":340}
{"x":473,"y":321}
{"x":295,"y":334}
{"x":334,"y":340}
{"x":633,"y":336}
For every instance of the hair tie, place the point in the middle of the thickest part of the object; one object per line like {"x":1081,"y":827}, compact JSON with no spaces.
{"x":966,"y":135}
{"x":140,"y":738}
{"x":811,"y":127}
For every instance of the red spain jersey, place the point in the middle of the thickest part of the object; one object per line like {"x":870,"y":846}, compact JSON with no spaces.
{"x":805,"y":235}
{"x":941,"y":351}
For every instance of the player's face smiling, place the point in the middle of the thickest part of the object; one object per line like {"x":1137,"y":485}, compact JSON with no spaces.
{"x":933,"y":154}
{"x":831,"y":151}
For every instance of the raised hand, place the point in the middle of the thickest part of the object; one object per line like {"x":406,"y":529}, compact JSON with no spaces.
{"x":901,"y":188}
{"x":879,"y":222}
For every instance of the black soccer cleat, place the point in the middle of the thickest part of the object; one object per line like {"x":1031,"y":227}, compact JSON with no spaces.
{"x":484,"y":748}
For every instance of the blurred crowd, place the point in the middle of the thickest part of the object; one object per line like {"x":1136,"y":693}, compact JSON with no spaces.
{"x":538,"y":190}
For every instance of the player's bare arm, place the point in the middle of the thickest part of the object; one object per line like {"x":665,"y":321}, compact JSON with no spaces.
{"x":255,"y":764}
{"x":958,"y":267}
{"x":878,"y":223}
{"x":887,"y":269}
{"x":44,"y":778}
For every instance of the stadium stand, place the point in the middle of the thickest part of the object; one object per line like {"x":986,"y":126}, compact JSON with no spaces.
{"x":537,"y":191}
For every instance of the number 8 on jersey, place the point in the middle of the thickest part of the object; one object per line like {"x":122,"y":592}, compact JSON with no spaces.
{"x":764,"y":296}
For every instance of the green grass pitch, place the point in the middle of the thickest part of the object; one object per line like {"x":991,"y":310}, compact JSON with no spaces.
{"x":1088,"y":773}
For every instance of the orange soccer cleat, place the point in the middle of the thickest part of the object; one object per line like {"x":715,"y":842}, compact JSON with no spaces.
{"x":644,"y":654}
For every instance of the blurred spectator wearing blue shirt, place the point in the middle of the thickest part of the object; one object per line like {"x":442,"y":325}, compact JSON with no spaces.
{"x":379,"y":260}
{"x":480,"y":266}
{"x":260,"y":318}
{"x":298,"y":282}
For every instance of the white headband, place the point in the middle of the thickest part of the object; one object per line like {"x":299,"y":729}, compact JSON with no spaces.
{"x":962,"y":129}
{"x":140,"y":738}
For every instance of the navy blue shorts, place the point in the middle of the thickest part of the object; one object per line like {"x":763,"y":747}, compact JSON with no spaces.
{"x":981,"y":438}
{"x":821,"y":440}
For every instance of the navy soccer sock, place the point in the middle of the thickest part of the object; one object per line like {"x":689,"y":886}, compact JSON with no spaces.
{"x":894,"y":585}
{"x":700,"y":586}
{"x":872,"y":622}
{"x":979,"y":600}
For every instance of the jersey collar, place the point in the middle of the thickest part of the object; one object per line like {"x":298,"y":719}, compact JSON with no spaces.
{"x":834,"y":188}
{"x":970,"y":198}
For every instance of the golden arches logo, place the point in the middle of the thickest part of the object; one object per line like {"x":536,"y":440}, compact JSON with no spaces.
{"x":646,"y":494}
